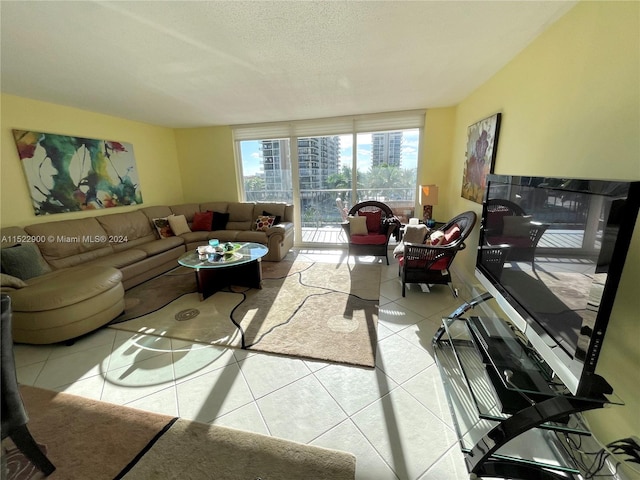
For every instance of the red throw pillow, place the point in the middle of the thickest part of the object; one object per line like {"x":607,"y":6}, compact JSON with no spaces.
{"x":374,"y":220}
{"x":451,"y":234}
{"x":202,"y":222}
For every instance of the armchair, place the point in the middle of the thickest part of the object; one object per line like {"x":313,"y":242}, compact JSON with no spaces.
{"x":424,"y":263}
{"x":368,"y":228}
{"x":508,"y":224}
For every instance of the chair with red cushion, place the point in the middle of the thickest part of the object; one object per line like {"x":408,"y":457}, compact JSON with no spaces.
{"x":430,"y":263}
{"x":371,"y":236}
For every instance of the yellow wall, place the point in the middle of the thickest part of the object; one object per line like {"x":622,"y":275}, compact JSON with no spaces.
{"x":154,"y":149}
{"x":570,"y":106}
{"x":207,"y":164}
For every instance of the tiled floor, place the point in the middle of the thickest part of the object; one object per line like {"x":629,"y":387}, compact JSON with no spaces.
{"x":394,"y":418}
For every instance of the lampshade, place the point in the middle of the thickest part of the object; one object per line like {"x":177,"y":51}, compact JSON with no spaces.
{"x":428,"y":194}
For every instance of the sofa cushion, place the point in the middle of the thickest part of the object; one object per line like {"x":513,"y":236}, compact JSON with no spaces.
{"x":264,"y":222}
{"x":158,"y":246}
{"x":67,"y":241}
{"x":120,"y":259}
{"x":371,"y":239}
{"x":220,"y":221}
{"x":277,"y":218}
{"x":162,"y":227}
{"x":241,"y":216}
{"x":23,"y":261}
{"x":374,"y":220}
{"x":214,"y":207}
{"x":178,"y":224}
{"x":357,"y":226}
{"x":10,"y":281}
{"x":60,"y":288}
{"x":275,"y":209}
{"x":186,"y":209}
{"x":202,"y":222}
{"x":132,"y":225}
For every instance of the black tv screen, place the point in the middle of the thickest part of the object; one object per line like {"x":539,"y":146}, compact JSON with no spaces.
{"x":551,"y":252}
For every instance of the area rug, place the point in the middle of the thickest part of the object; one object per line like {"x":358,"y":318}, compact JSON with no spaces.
{"x":312,"y":310}
{"x":87,"y":438}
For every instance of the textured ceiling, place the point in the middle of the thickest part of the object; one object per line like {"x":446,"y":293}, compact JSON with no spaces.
{"x":199,"y":63}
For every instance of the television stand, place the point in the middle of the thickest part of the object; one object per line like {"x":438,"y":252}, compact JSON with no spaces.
{"x":508,"y":408}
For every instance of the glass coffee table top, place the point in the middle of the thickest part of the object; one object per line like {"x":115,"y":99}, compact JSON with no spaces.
{"x":243,"y":252}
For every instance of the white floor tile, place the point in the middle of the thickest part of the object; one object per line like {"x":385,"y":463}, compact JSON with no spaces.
{"x":355,"y":388}
{"x":246,"y":418}
{"x":401,"y":359}
{"x":63,"y":370}
{"x":427,"y":388}
{"x":369,"y":463}
{"x":30,"y":354}
{"x":28,"y":374}
{"x":407,"y":436}
{"x":190,"y":360}
{"x":164,"y":402}
{"x":450,"y":467}
{"x":301,"y":411}
{"x":126,"y":384}
{"x":267,"y":373}
{"x":209,"y":396}
{"x":130,"y":348}
{"x":395,"y":317}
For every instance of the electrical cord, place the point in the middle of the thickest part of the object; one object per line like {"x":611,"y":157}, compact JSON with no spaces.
{"x":613,"y":450}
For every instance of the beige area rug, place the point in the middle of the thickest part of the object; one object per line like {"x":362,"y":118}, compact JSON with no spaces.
{"x":312,"y":310}
{"x":90,"y":439}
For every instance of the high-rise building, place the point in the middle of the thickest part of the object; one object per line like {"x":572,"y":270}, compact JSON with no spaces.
{"x":276,"y":163}
{"x":318,"y":157}
{"x":386,"y":149}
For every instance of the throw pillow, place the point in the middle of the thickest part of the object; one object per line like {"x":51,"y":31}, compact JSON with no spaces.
{"x":178,"y":224}
{"x":374,"y":220}
{"x":219,"y":221}
{"x":358,"y":225}
{"x":163,"y":227}
{"x":517,"y":226}
{"x":277,"y":220}
{"x":202,"y":222}
{"x":11,"y":282}
{"x":451,"y":234}
{"x":436,"y":238}
{"x":264,"y":222}
{"x":23,"y":261}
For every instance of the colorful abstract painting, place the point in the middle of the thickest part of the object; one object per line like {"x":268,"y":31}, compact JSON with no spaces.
{"x":482,"y":142}
{"x":70,"y":174}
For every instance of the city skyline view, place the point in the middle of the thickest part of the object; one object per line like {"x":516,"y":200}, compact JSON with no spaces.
{"x":252,"y":155}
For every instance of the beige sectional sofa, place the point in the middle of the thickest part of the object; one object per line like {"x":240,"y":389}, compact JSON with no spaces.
{"x":82,"y":267}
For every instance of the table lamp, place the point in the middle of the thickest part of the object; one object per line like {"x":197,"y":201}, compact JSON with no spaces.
{"x":428,"y":198}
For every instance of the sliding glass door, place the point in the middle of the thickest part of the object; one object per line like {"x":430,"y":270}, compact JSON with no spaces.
{"x":325,"y":175}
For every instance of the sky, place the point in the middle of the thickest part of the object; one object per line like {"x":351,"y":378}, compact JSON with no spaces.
{"x":251,"y":155}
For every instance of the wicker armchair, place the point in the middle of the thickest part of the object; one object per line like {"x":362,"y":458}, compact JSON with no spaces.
{"x":508,"y":224}
{"x":421,"y":263}
{"x":380,"y":222}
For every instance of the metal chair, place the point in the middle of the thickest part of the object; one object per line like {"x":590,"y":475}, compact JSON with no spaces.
{"x":14,"y":415}
{"x":421,"y":263}
{"x":381,"y":224}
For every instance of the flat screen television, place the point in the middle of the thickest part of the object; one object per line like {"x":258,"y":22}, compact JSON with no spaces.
{"x":551,"y":252}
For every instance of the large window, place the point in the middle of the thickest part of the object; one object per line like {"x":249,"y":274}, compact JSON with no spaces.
{"x":327,"y":165}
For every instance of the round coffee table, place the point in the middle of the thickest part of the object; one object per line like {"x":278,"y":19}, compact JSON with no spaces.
{"x":242,"y":267}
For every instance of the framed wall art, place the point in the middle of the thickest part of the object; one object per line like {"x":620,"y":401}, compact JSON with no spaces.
{"x":69,"y":174}
{"x":482,"y":142}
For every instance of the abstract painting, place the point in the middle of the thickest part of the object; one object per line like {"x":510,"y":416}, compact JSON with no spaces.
{"x":70,"y":174}
{"x":482,"y":142}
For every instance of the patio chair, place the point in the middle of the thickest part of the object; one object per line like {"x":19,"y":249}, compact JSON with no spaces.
{"x":509,"y":224}
{"x":430,"y":263}
{"x":368,"y":228}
